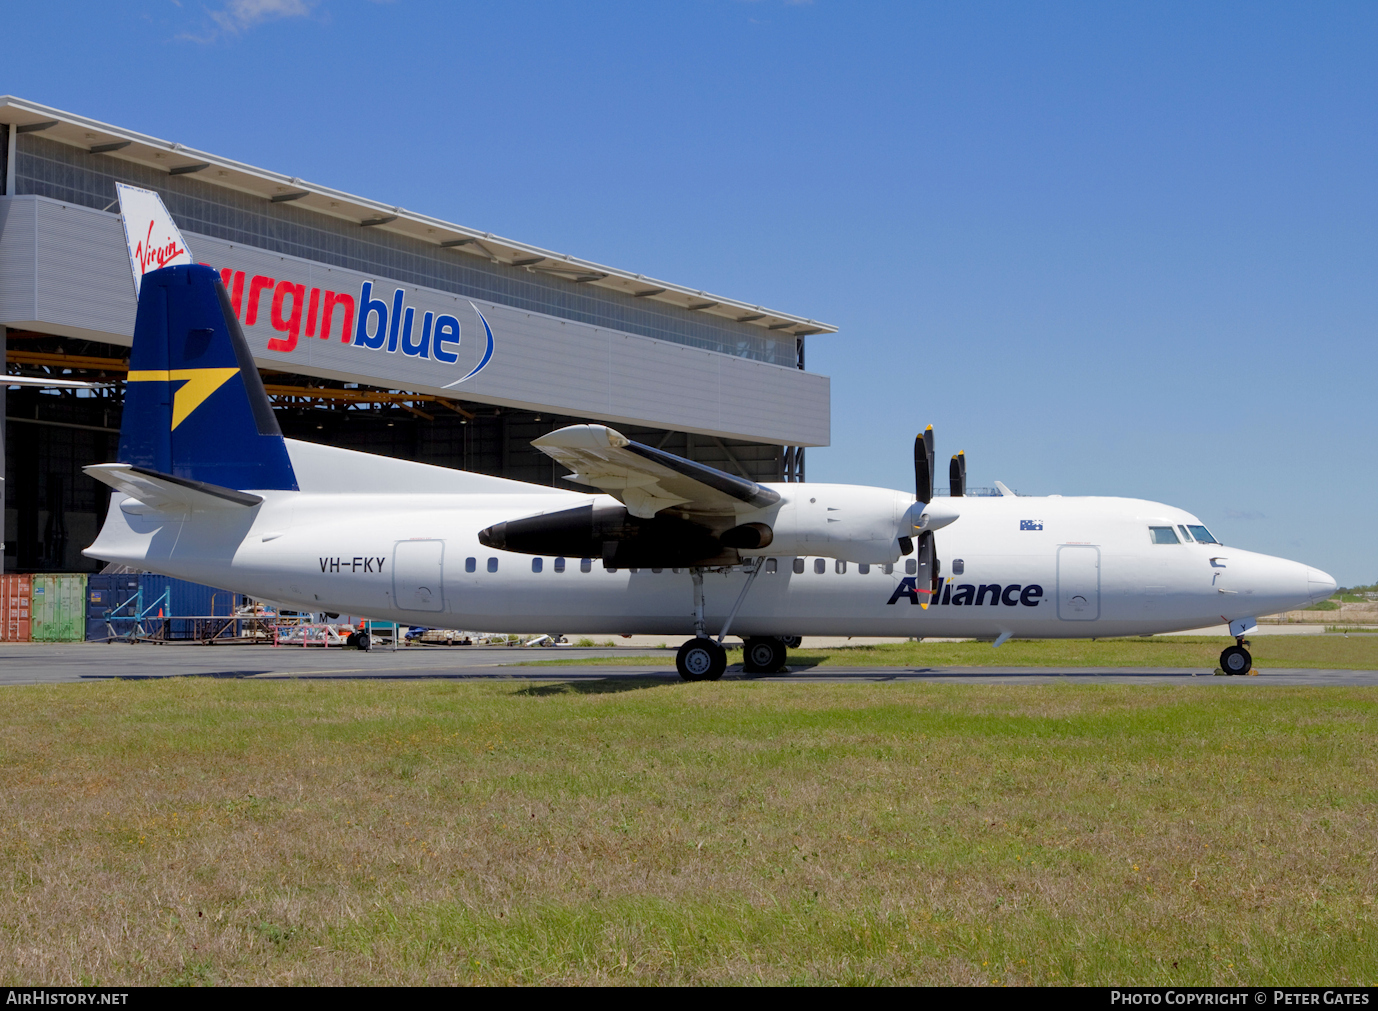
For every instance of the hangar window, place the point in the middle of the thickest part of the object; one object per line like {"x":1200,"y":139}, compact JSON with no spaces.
{"x":560,"y":564}
{"x":910,"y":566}
{"x":586,"y":565}
{"x":1202,"y":535}
{"x":771,"y":564}
{"x":889,"y":568}
{"x":863,"y":568}
{"x":820,"y":566}
{"x":798,"y":566}
{"x":1163,"y":535}
{"x":470,"y":564}
{"x":537,"y":564}
{"x":492,"y":565}
{"x":840,"y":566}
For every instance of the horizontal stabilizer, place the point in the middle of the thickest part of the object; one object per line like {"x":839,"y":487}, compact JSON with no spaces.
{"x":165,"y":493}
{"x":647,"y":480}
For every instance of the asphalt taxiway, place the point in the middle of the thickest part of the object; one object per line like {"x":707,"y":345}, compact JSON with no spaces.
{"x":45,"y":663}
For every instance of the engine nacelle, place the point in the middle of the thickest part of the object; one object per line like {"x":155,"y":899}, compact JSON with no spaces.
{"x":611,"y":533}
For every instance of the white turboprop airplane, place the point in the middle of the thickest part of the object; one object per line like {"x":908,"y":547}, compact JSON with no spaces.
{"x":207,"y":489}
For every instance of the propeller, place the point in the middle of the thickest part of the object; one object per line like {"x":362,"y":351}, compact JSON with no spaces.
{"x":957,"y":475}
{"x":923,"y":465}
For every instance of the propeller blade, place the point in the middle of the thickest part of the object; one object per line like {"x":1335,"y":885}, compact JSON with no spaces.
{"x":957,"y":475}
{"x":923,"y":465}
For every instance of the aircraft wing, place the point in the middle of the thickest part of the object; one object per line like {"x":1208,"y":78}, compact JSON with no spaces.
{"x":647,"y":480}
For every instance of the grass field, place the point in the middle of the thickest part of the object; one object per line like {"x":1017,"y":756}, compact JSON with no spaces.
{"x":1353,"y":652}
{"x":211,"y":831}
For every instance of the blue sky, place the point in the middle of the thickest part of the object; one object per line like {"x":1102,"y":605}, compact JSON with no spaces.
{"x":1104,"y":248}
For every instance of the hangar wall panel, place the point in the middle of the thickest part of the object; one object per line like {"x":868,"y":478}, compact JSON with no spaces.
{"x":65,"y":266}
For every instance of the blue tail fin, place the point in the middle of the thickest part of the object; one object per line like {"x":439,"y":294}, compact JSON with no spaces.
{"x":195,"y":406}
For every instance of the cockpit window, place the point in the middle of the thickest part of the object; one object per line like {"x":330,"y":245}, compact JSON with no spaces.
{"x":1202,"y":535}
{"x":1163,"y":535}
{"x":1185,"y":536}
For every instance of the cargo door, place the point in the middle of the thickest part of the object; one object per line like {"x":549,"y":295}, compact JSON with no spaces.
{"x":1078,"y":582}
{"x":417,"y":572}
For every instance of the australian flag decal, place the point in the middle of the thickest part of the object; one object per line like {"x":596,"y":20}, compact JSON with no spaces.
{"x":1030,"y":524}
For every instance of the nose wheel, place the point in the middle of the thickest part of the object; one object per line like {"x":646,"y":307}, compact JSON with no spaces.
{"x":701,"y":659}
{"x":1236,"y":659}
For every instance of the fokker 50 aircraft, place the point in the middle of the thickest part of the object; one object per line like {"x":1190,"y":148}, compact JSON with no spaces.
{"x":207,"y":489}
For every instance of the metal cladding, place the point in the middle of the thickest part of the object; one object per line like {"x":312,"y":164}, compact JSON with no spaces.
{"x":611,"y":533}
{"x":303,"y":316}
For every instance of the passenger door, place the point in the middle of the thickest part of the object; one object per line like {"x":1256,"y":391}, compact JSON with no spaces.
{"x":1078,"y":582}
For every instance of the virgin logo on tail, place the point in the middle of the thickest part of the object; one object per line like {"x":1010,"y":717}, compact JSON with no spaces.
{"x":152,"y":238}
{"x":145,"y":253}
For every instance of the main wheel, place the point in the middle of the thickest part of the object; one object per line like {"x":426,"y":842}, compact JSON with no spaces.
{"x":791,"y":641}
{"x":1236,"y":660}
{"x":762,"y":655}
{"x":701,"y":659}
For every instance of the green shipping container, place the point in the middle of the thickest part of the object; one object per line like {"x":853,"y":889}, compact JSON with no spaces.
{"x":59,"y":607}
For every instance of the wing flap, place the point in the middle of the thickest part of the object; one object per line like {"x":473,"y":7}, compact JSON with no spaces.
{"x":648,"y":480}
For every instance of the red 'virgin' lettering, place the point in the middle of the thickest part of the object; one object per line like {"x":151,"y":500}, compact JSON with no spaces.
{"x":311,"y":312}
{"x":256,"y":286}
{"x":345,"y":302}
{"x":290,"y":325}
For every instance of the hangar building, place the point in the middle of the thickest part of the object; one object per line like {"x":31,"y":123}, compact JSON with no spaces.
{"x":375,"y":328}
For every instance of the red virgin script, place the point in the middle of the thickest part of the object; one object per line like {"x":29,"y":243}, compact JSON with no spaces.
{"x":146,"y":254}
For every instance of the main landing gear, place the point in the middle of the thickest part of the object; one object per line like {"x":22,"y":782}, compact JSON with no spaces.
{"x":1236,"y":659}
{"x":703,"y":659}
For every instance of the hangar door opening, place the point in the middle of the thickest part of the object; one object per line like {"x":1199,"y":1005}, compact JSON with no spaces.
{"x":417,"y":573}
{"x":1078,"y":582}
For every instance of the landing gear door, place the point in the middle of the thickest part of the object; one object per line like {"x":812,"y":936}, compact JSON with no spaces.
{"x":1078,"y":582}
{"x":417,"y":575}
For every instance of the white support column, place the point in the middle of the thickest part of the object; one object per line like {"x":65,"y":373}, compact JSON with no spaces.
{"x":10,"y":160}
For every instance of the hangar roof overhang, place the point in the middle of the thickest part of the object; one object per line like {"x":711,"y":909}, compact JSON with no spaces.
{"x":178,"y":159}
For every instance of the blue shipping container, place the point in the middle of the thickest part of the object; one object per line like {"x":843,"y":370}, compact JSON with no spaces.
{"x":105,"y":593}
{"x":174,"y":608}
{"x":188,"y":607}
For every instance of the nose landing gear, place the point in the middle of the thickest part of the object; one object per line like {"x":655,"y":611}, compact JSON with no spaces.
{"x":1236,"y":659}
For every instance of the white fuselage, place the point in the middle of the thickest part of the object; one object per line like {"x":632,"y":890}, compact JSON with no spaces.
{"x":399,"y":541}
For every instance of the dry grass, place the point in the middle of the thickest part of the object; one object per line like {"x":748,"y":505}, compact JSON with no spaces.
{"x":208,"y":831}
{"x":1323,"y":652}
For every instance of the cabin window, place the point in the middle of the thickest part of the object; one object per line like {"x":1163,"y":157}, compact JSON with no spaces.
{"x":911,"y":567}
{"x":492,"y":565}
{"x":537,"y":564}
{"x":631,"y":570}
{"x":471,"y":565}
{"x":1202,"y":535}
{"x":889,"y":568}
{"x":586,"y":565}
{"x":560,"y":564}
{"x":1185,"y":536}
{"x":820,"y":566}
{"x":771,"y":564}
{"x":657,"y":570}
{"x":863,"y":568}
{"x":1163,"y":535}
{"x":798,"y":566}
{"x":840,"y":566}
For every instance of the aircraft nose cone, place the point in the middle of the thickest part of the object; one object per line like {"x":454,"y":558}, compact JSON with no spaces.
{"x":1319,"y":585}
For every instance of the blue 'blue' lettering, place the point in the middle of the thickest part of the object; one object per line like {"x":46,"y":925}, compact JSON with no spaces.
{"x":446,"y":332}
{"x":368,"y":305}
{"x":396,"y":320}
{"x":423,"y":348}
